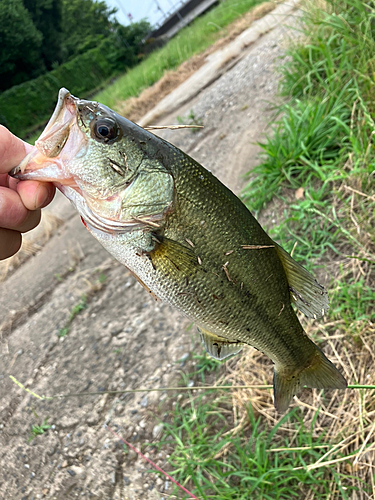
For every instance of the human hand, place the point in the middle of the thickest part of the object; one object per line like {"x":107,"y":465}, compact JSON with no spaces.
{"x":20,"y":201}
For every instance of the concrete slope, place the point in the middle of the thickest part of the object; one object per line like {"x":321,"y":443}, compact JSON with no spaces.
{"x":217,"y":63}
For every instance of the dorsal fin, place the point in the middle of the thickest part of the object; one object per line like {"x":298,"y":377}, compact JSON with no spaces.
{"x":218,"y":347}
{"x":308,"y":295}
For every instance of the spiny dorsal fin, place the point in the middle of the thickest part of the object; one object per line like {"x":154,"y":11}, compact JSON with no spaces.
{"x":309,"y":296}
{"x":218,"y":347}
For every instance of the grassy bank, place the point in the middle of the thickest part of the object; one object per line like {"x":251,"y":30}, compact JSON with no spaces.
{"x":192,"y":40}
{"x":319,"y":162}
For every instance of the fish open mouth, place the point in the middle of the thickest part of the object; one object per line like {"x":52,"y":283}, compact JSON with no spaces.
{"x":44,"y":162}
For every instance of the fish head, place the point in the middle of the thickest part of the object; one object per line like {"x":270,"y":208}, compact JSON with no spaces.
{"x":108,"y":167}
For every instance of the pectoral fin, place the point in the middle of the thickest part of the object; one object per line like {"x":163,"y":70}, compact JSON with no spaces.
{"x":218,"y":347}
{"x":308,"y":295}
{"x":175,"y":258}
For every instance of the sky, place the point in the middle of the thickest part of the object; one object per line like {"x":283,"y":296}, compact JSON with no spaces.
{"x":140,"y":9}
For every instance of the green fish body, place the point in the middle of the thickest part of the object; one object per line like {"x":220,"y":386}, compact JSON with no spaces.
{"x":187,"y":238}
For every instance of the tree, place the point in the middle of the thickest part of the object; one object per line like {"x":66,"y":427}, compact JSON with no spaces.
{"x":20,"y":45}
{"x":127,"y":42}
{"x":85,"y":24}
{"x":47,"y":18}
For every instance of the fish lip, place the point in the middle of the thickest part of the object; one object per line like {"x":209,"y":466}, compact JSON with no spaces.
{"x":19,"y":169}
{"x":64,"y":98}
{"x":56,"y":132}
{"x":34,"y":167}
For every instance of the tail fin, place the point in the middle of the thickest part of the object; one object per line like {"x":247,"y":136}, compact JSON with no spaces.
{"x":320,"y":374}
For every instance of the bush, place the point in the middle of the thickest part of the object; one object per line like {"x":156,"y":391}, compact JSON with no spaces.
{"x":25,"y":106}
{"x":28,"y":105}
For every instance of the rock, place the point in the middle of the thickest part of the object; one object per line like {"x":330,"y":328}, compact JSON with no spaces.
{"x":157,"y":430}
{"x":144,"y":401}
{"x":115,"y":331}
{"x":119,"y":409}
{"x":67,"y":422}
{"x":184,"y":358}
{"x":132,"y":455}
{"x":93,"y":418}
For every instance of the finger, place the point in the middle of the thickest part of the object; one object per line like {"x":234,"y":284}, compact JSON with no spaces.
{"x":12,"y":150}
{"x":10,"y":243}
{"x":14,"y":215}
{"x":35,"y":194}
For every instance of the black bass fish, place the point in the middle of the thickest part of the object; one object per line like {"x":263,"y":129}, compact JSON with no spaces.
{"x":186,"y":238}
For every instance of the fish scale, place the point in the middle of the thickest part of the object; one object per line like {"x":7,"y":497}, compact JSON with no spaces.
{"x":182,"y":234}
{"x":227,"y":226}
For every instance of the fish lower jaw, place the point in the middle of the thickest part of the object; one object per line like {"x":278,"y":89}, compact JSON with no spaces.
{"x":36,"y":166}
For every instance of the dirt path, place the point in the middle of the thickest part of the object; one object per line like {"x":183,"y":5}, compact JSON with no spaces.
{"x":74,"y":320}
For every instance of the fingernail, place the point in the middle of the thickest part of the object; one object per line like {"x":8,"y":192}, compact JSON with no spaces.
{"x":44,"y":199}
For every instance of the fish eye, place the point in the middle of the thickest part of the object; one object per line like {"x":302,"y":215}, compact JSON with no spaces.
{"x":105,"y":130}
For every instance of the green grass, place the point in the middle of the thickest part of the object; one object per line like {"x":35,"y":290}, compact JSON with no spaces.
{"x":193,"y":39}
{"x":76,"y":309}
{"x":301,"y":149}
{"x":212,"y":462}
{"x":353,"y":301}
{"x":205,"y":365}
{"x":63,"y":332}
{"x":328,"y":117}
{"x":37,"y":430}
{"x":190,"y":119}
{"x":79,"y":307}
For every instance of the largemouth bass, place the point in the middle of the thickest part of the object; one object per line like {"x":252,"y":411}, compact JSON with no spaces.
{"x":186,"y":238}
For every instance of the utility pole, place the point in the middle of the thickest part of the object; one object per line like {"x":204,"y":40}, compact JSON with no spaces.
{"x":159,"y":8}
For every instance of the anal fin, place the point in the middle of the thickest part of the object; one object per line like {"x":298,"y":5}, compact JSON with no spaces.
{"x":308,"y":295}
{"x":219,"y":347}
